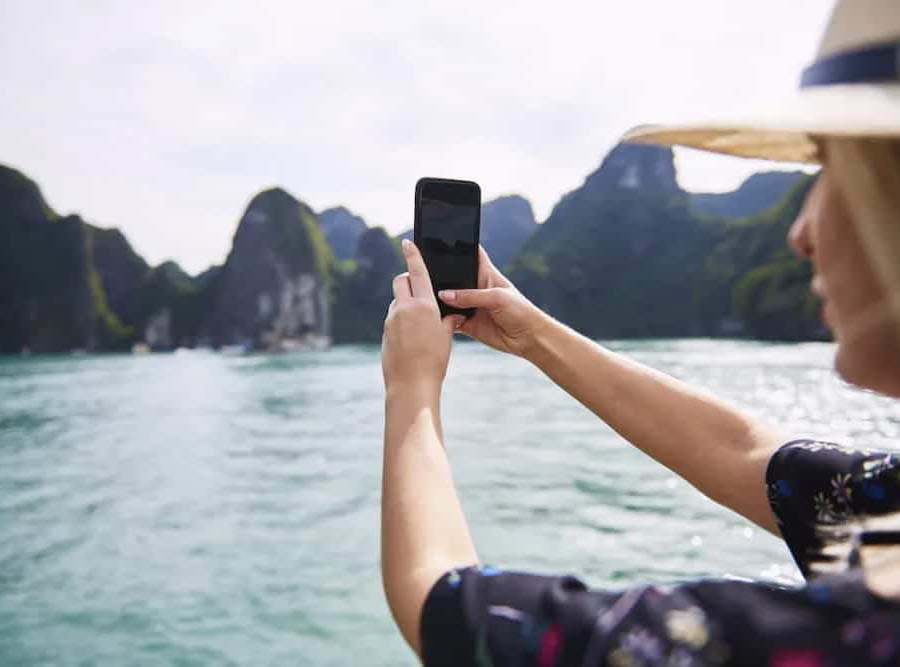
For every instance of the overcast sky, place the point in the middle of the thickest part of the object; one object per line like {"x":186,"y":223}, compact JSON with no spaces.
{"x":164,"y":118}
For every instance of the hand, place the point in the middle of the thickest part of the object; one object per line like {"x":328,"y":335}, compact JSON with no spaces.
{"x":415,"y":348}
{"x":505,"y":320}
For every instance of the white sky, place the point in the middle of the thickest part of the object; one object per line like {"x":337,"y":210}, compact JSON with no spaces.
{"x":165,"y":118}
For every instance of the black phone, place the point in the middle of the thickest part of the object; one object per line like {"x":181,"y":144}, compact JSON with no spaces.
{"x":446,"y":230}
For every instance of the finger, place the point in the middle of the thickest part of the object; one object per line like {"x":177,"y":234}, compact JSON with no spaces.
{"x":484,"y":268}
{"x":466,"y":328}
{"x":401,"y":286}
{"x":453,"y":322}
{"x":491,"y":297}
{"x":488,"y":274}
{"x":419,"y":281}
{"x":390,"y":309}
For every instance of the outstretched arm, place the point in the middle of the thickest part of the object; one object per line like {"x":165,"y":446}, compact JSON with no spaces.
{"x":718,"y":449}
{"x":714,"y":446}
{"x":423,"y":528}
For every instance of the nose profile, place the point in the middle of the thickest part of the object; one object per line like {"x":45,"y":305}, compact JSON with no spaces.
{"x":799,"y":238}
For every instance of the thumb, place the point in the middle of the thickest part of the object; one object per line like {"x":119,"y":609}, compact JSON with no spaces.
{"x":489,"y":297}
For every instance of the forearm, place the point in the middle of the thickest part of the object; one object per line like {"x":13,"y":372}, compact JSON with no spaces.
{"x":423,"y":528}
{"x":715,"y":447}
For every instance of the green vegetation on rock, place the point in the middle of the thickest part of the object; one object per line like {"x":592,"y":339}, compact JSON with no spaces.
{"x":775,"y":303}
{"x":626,"y":255}
{"x":111,"y":333}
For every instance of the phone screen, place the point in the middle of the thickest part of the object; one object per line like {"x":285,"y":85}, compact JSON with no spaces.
{"x":448,"y":216}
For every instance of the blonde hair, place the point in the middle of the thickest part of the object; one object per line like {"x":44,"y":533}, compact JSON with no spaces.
{"x":867,"y":171}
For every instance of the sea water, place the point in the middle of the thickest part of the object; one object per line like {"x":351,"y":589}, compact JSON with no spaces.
{"x":201,"y":509}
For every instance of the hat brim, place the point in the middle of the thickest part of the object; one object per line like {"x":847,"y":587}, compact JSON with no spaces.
{"x":786,"y":131}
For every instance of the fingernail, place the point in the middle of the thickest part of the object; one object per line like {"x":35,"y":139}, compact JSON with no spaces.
{"x":407,"y":245}
{"x":447,"y":295}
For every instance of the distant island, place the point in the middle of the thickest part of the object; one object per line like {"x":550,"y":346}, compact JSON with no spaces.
{"x":627,"y":254}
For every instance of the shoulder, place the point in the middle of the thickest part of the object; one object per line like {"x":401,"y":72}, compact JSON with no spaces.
{"x":847,"y":477}
{"x":813,"y":484}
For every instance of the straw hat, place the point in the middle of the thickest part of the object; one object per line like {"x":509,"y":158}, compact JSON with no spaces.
{"x":852,"y":89}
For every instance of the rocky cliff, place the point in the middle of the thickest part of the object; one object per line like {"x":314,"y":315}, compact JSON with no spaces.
{"x":362,"y":295}
{"x":274,"y":287}
{"x":342,"y":229}
{"x":626,"y":255}
{"x":68,"y":285}
{"x":167,"y":307}
{"x":51,"y":297}
{"x":756,"y":194}
{"x":120,"y":269}
{"x":616,"y":256}
{"x":506,"y":224}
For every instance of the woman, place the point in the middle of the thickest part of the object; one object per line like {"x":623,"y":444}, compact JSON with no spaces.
{"x":835,"y":507}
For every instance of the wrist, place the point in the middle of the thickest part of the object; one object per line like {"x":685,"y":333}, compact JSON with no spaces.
{"x":543,"y":330}
{"x":417,"y":392}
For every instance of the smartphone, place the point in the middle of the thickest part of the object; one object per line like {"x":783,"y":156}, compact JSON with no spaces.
{"x":447,"y":226}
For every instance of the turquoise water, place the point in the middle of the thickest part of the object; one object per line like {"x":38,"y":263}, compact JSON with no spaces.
{"x":198,"y":509}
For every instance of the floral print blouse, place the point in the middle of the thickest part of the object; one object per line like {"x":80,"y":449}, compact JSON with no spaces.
{"x":822,"y":495}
